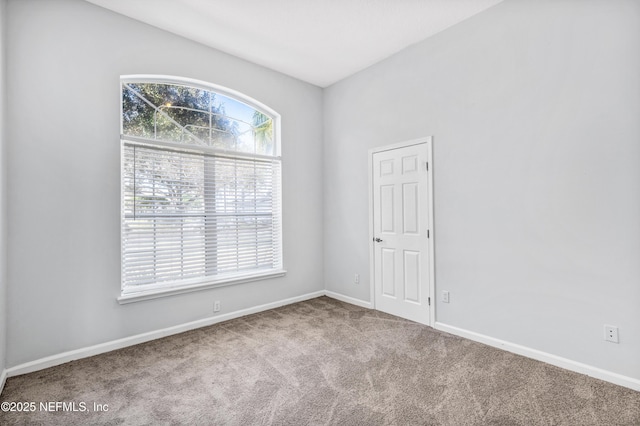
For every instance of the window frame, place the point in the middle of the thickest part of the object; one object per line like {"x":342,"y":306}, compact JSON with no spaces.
{"x":169,"y":288}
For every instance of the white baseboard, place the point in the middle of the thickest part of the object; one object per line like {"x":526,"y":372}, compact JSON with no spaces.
{"x":58,"y":359}
{"x":578,"y":367}
{"x":3,"y":380}
{"x":347,"y":299}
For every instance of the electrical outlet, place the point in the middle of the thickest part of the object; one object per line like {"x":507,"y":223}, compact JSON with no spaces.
{"x":216,"y":306}
{"x":611,"y":333}
{"x":445,"y":296}
{"x":356,"y":279}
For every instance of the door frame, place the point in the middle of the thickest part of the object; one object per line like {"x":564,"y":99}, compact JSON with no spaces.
{"x":428,"y":140}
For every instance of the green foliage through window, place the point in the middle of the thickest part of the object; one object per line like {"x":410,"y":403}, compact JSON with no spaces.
{"x":196,"y":116}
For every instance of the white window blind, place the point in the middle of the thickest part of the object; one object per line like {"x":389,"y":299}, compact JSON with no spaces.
{"x":194,"y":213}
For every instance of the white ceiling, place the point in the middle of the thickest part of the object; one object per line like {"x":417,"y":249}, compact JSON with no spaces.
{"x":318,"y":41}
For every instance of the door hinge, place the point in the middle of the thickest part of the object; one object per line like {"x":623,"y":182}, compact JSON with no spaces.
{"x":429,"y":301}
{"x":428,"y":233}
{"x":427,"y":165}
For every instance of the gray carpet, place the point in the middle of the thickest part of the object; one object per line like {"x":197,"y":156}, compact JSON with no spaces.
{"x":320,"y":362}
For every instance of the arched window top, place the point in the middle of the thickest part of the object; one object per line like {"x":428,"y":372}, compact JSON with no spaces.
{"x":190,"y":112}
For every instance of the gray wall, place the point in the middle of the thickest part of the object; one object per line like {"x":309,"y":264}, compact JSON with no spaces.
{"x":3,"y":239}
{"x":534,"y":107}
{"x":64,"y":59}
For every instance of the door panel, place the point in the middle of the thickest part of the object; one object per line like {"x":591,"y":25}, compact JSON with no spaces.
{"x":389,"y":272}
{"x":400,"y":222}
{"x":410,"y":214}
{"x":386,"y":208}
{"x":412,"y":276}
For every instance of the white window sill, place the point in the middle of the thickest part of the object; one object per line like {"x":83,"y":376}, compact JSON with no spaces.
{"x":170,"y":291}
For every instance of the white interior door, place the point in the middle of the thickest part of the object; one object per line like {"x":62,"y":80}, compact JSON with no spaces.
{"x":400,"y":232}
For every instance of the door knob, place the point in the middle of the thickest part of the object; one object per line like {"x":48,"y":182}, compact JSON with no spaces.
{"x":377,"y":240}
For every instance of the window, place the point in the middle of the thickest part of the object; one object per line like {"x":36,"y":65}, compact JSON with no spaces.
{"x":201,"y":188}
